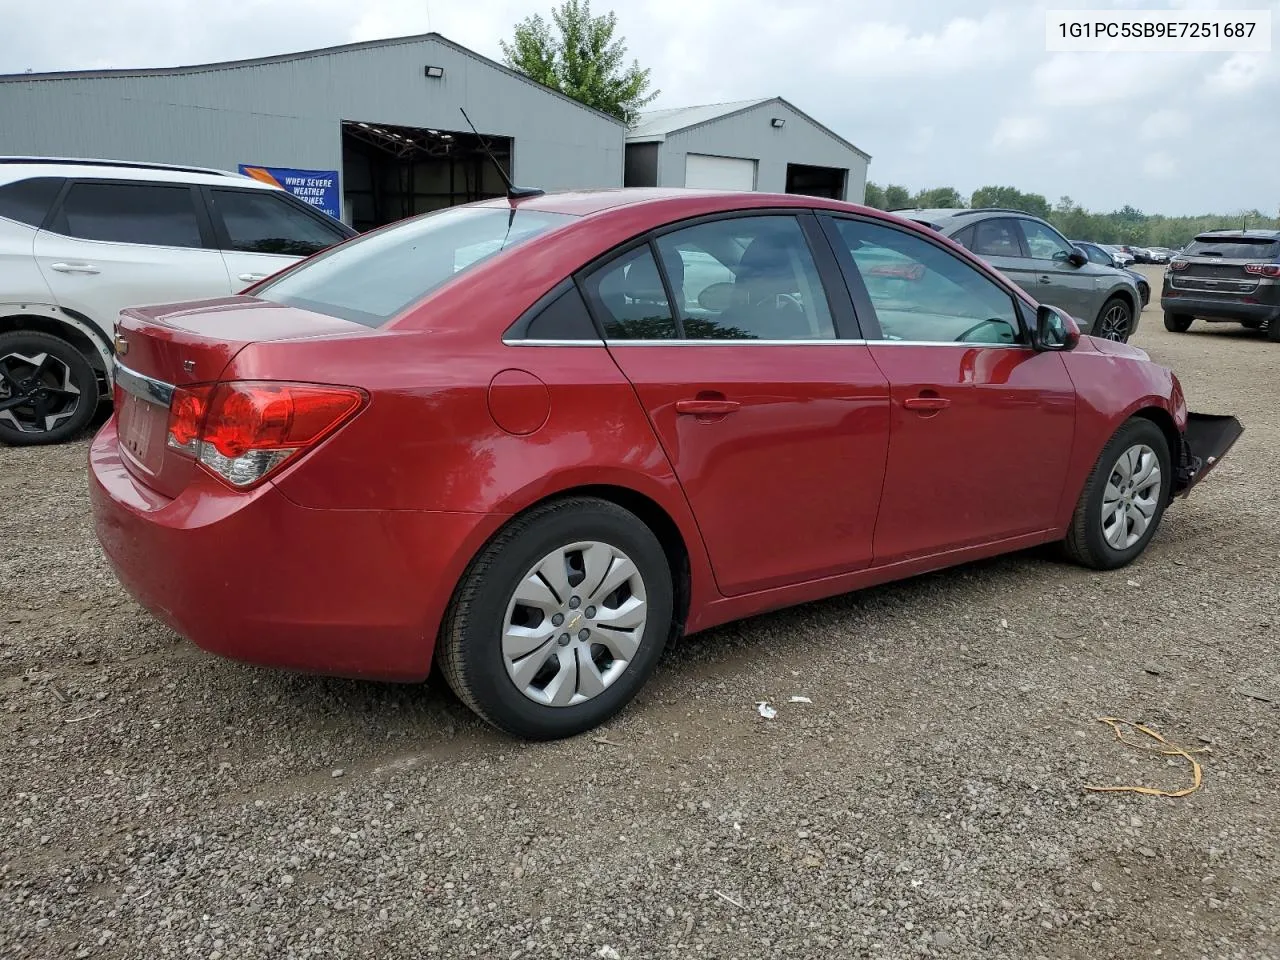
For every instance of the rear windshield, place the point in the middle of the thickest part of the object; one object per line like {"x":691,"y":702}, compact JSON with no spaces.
{"x":373,"y":278}
{"x":1234,"y":248}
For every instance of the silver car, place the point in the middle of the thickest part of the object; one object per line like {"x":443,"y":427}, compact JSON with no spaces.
{"x":1044,"y":263}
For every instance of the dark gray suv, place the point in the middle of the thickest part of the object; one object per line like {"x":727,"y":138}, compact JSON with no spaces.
{"x":1044,"y":263}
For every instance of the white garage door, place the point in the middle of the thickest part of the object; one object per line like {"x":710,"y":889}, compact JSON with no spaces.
{"x":719,"y":173}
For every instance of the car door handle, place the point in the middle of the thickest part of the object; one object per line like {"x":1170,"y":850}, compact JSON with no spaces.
{"x":1045,"y":278}
{"x":926,"y":403}
{"x":73,"y":267}
{"x":706,"y":408}
{"x":250,"y":277}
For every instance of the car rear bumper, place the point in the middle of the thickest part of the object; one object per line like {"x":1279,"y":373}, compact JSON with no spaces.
{"x":255,"y":577}
{"x":1218,"y":308}
{"x":1206,"y":440}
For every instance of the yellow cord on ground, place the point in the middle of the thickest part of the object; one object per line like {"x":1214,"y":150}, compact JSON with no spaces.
{"x":1167,"y":749}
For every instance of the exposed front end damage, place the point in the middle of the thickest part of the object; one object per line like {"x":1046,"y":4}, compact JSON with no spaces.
{"x":1205,"y":442}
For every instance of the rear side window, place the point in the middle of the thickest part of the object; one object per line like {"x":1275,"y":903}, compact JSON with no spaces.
{"x":1234,"y":248}
{"x":630,"y":299}
{"x":262,"y":221}
{"x":376,"y":276}
{"x":28,"y":201}
{"x":997,"y":238}
{"x":152,"y":214}
{"x":564,"y":318}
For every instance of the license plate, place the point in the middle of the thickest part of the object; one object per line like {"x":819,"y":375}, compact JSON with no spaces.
{"x":138,"y":422}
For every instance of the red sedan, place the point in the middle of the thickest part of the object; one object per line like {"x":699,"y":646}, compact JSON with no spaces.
{"x":536,"y":439}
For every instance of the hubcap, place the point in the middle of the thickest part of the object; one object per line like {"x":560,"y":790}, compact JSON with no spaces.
{"x":1115,"y":322}
{"x":1131,"y":496}
{"x":36,"y":392}
{"x":574,"y":624}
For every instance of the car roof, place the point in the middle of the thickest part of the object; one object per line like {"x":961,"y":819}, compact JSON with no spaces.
{"x":1257,"y":233}
{"x":586,"y":202}
{"x":937,"y":216}
{"x":22,"y":168}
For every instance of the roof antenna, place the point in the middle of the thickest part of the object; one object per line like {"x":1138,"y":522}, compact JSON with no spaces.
{"x":513,"y":192}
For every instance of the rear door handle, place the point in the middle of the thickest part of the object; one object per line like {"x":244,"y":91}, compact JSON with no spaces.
{"x":250,"y":277}
{"x":1045,"y":278}
{"x":926,"y":403}
{"x":706,"y":408}
{"x":73,"y":267}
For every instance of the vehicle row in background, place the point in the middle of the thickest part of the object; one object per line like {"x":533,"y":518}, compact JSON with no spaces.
{"x":1104,"y":257}
{"x":81,"y":240}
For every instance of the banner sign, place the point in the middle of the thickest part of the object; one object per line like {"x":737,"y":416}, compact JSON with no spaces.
{"x":319,"y":188}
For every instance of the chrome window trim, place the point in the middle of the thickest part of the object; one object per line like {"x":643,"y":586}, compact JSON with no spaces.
{"x":140,"y":385}
{"x":764,"y":343}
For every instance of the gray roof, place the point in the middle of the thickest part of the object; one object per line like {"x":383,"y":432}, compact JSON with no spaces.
{"x":657,"y":125}
{"x":288,"y":57}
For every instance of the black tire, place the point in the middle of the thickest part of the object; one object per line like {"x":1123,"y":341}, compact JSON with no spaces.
{"x":469,"y":648}
{"x":1273,"y":330}
{"x":65,"y":367}
{"x":1085,"y":543}
{"x":1120,"y":328}
{"x":1251,"y":324}
{"x":1177,"y":322}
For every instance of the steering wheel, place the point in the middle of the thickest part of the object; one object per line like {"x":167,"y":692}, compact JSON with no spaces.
{"x":787,"y":303}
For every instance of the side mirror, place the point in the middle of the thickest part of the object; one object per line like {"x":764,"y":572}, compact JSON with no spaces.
{"x":1055,"y":330}
{"x":1076,"y":257}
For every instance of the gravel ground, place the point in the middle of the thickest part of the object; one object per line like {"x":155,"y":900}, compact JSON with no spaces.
{"x":158,"y":802}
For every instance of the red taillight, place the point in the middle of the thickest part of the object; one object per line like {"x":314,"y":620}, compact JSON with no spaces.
{"x":1263,"y":269}
{"x":243,"y":430}
{"x":1178,"y":264}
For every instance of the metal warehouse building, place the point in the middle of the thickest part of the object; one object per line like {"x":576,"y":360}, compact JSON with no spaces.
{"x":765,"y":145}
{"x":381,"y":119}
{"x":372,"y":132}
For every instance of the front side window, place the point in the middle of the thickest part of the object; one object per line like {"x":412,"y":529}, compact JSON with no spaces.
{"x":1043,"y":242}
{"x":1096,"y":255}
{"x":746,"y":278}
{"x":261,"y":221}
{"x":375,"y":277}
{"x":144,"y":213}
{"x":996,"y":238}
{"x":923,"y":293}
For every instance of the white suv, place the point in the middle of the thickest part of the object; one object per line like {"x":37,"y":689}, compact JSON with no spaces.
{"x":80,"y":240}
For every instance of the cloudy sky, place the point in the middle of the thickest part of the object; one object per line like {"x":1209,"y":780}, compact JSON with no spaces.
{"x":940,"y":92}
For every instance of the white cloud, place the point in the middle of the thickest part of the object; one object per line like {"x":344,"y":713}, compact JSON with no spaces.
{"x":1159,"y":165}
{"x":1163,"y":124}
{"x":1240,"y":73}
{"x":1019,"y":132}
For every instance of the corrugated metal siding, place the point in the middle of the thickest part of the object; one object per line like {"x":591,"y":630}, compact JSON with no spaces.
{"x":288,"y":113}
{"x":750,"y":135}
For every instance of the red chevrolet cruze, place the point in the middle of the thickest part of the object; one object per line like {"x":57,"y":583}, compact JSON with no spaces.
{"x":535,"y":439}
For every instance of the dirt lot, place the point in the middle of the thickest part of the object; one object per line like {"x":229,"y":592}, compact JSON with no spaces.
{"x":158,"y":802}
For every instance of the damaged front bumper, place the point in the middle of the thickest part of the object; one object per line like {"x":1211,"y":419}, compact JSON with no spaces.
{"x":1205,"y":442}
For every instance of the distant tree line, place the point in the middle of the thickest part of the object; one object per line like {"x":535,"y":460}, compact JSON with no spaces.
{"x":1126,"y":225}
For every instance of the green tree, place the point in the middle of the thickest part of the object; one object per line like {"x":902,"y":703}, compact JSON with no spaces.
{"x":874,"y":196}
{"x":896,"y":197}
{"x":939,"y":198}
{"x":1013,"y":198}
{"x":578,"y":55}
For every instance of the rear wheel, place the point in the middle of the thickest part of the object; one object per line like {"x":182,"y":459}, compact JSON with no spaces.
{"x":48,"y":390}
{"x":1273,"y":329}
{"x":1251,"y":324}
{"x":560,"y":620}
{"x":1115,"y":320}
{"x":1177,"y":322}
{"x":1124,"y":498}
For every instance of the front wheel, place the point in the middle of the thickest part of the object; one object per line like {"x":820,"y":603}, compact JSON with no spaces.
{"x":1177,"y":322}
{"x":1115,"y":320}
{"x":1124,"y":498}
{"x":560,"y":620}
{"x":48,"y":390}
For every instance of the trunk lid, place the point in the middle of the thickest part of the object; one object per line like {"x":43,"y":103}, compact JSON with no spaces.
{"x":162,"y":349}
{"x":1215,"y":263}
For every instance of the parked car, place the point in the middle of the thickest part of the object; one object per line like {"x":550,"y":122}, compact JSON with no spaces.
{"x":540,"y":467}
{"x":1044,"y":263}
{"x":1123,"y":258}
{"x":81,"y":240}
{"x":1225,"y":276}
{"x":1104,"y":258}
{"x":1160,"y":254}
